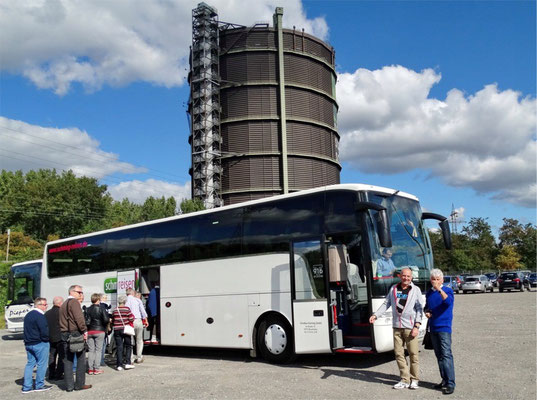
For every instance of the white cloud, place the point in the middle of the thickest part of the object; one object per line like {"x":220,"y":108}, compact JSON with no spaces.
{"x":138,"y":191}
{"x":485,"y":141}
{"x":55,"y":43}
{"x":27,"y":147}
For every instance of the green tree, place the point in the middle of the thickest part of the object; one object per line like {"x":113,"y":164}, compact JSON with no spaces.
{"x":21,"y":247}
{"x":43,"y":202}
{"x":122,"y":213}
{"x":523,"y":238}
{"x":457,"y":260}
{"x":4,"y":271}
{"x":508,"y":259}
{"x":482,"y":245}
{"x":155,"y":208}
{"x":188,"y":206}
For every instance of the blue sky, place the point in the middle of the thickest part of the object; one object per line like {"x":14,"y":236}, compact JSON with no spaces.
{"x":436,"y":98}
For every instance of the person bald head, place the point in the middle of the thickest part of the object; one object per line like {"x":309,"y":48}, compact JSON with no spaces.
{"x":57,"y":301}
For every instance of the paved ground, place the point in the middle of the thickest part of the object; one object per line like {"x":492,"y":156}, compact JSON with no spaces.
{"x":494,"y":345}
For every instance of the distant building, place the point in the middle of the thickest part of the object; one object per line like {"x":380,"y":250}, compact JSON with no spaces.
{"x":263,"y":110}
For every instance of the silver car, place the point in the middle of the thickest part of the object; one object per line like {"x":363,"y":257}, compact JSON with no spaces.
{"x":477,"y":283}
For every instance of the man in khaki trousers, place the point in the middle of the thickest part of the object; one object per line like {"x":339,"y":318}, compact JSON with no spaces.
{"x":405,"y":300}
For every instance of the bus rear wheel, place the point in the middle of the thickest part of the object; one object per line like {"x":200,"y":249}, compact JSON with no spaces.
{"x":275,"y":340}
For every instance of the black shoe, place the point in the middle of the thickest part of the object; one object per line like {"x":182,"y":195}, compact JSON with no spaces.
{"x":68,"y":390}
{"x":84,"y":387}
{"x":440,"y":386}
{"x":43,"y":388}
{"x":448,"y":390}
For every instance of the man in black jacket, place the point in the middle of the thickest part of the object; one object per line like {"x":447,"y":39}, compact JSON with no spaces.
{"x":55,"y":358}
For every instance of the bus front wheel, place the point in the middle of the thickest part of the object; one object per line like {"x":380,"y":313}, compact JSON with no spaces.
{"x":275,"y":339}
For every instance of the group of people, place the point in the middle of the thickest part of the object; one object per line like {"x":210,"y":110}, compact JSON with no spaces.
{"x":65,"y":333}
{"x":54,"y":335}
{"x":404,"y":298}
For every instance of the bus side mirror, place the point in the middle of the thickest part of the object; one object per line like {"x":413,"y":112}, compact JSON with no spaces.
{"x":381,"y":221}
{"x":444,"y":226}
{"x":383,"y":229}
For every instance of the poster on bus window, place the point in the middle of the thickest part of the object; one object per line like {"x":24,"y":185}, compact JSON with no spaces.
{"x":125,"y":280}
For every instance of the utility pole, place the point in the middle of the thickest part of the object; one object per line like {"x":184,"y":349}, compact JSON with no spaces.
{"x":454,"y":216}
{"x":7,"y":248}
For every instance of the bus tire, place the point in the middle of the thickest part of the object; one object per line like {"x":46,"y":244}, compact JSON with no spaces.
{"x":275,"y":339}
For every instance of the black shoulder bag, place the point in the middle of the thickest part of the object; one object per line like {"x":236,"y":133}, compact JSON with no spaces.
{"x":427,"y":341}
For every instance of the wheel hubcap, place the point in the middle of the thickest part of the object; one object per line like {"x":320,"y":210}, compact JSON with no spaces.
{"x":275,"y":339}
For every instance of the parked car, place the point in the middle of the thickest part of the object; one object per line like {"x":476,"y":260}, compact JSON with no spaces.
{"x":525,"y":273}
{"x":459,"y":282}
{"x":493,"y":278}
{"x":530,"y":281}
{"x":463,"y":277}
{"x":511,"y":280}
{"x":477,"y":283}
{"x":451,"y":282}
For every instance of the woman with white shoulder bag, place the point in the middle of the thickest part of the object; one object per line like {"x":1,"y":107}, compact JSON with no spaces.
{"x":123,"y":322}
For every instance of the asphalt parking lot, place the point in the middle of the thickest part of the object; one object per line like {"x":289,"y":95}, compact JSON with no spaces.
{"x":494,"y":345}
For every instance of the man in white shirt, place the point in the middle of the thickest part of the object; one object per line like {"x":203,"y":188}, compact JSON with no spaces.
{"x":140,"y":321}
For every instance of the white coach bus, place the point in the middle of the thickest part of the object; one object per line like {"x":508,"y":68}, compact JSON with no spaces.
{"x":24,"y":285}
{"x":286,"y":275}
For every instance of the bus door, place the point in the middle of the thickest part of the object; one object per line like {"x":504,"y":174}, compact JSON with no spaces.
{"x":311,"y":314}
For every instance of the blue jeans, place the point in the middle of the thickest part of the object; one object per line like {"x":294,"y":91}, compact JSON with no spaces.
{"x":37,"y":355}
{"x":442,"y":351}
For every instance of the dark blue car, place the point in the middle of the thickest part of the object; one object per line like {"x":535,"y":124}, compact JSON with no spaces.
{"x":493,"y":278}
{"x":530,"y":281}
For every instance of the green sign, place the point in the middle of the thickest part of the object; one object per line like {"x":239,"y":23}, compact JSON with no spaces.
{"x":110,"y":285}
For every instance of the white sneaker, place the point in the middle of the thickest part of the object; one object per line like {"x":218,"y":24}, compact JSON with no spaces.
{"x":119,"y":369}
{"x":129,"y":366}
{"x":401,"y":385}
{"x":414,"y":385}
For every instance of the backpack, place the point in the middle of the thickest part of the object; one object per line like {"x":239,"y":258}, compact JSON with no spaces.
{"x":87,"y":317}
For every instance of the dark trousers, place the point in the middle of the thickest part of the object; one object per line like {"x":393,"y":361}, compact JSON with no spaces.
{"x":55,"y":360}
{"x":70,"y":384}
{"x":154,"y":327}
{"x":122,"y":340}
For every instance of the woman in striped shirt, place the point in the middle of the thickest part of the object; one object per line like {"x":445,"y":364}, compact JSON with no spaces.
{"x":122,"y":316}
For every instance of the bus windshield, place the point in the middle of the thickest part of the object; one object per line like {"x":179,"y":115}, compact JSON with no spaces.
{"x":410,"y":244}
{"x":24,"y":283}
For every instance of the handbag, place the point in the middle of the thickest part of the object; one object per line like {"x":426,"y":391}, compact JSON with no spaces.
{"x":76,"y":342}
{"x":127,"y":329}
{"x":427,"y":341}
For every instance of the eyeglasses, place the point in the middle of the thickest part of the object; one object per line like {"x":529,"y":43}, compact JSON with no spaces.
{"x":78,"y":292}
{"x":43,"y":304}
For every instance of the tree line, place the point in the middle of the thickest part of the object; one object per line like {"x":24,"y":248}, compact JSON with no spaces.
{"x":44,"y":205}
{"x":476,"y":250}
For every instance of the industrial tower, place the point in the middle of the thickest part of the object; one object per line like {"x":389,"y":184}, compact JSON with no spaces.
{"x":263,"y":110}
